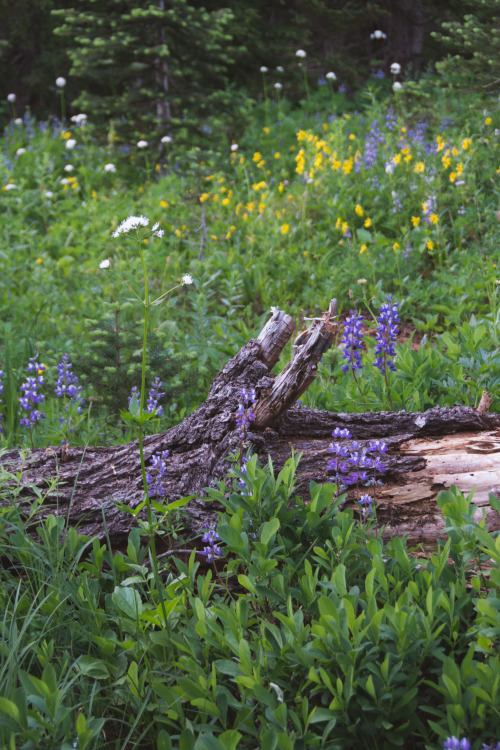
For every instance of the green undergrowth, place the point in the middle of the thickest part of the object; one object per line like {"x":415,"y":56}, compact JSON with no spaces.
{"x":312,"y":630}
{"x":312,"y":203}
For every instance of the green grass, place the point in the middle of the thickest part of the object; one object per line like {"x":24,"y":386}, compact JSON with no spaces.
{"x":310,"y":631}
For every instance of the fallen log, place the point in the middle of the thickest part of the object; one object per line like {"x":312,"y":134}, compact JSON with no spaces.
{"x":428,"y":451}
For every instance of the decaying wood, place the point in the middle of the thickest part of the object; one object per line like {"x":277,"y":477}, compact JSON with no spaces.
{"x":427,"y":451}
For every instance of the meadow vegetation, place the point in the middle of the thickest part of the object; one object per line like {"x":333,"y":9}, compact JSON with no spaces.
{"x":303,"y":628}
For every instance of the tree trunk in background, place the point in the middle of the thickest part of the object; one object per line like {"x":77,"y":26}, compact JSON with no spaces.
{"x":427,"y":452}
{"x":404,"y":25}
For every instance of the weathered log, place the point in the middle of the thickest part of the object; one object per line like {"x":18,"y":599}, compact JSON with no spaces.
{"x":427,"y":451}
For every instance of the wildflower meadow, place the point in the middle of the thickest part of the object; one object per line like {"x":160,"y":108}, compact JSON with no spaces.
{"x":131,"y":271}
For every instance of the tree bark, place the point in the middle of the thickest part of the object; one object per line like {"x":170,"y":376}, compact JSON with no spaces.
{"x":428,"y":451}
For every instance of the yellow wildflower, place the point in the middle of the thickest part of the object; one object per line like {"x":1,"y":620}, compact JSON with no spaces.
{"x":226,"y":202}
{"x":163,"y":204}
{"x":415,"y":220}
{"x":66,"y":134}
{"x":204,"y":197}
{"x":368,"y":222}
{"x":396,"y":159}
{"x":281,"y":187}
{"x":338,"y":223}
{"x":453,"y":176}
{"x":266,"y":130}
{"x":277,"y":155}
{"x":257,"y":156}
{"x":261,"y":163}
{"x":430,"y":245}
{"x":419,"y":167}
{"x":358,"y":210}
{"x":466,"y":143}
{"x":345,"y":227}
{"x":362,"y":249}
{"x":396,"y":246}
{"x":434,"y":218}
{"x":285,"y":228}
{"x":347,"y":165}
{"x":352,"y":137}
{"x":488,"y":121}
{"x":39,"y":260}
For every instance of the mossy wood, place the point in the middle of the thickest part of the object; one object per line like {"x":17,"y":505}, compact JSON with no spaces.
{"x":428,"y":451}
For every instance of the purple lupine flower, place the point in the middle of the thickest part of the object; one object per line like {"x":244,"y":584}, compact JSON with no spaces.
{"x":244,"y":412}
{"x":352,"y":338}
{"x":391,"y":119}
{"x":366,"y":503}
{"x":32,"y":397}
{"x":453,"y":743}
{"x":210,"y":539}
{"x":158,"y":470}
{"x":355,"y":464}
{"x":67,"y":386}
{"x":387,"y":331}
{"x":407,"y":251}
{"x":397,"y":206}
{"x":154,"y":397}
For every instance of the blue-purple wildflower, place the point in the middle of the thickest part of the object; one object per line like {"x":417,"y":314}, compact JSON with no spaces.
{"x":244,"y":412}
{"x":32,"y":396}
{"x":387,"y":330}
{"x":67,"y":387}
{"x":352,"y":338}
{"x":210,"y":539}
{"x":133,"y":392}
{"x":355,"y":464}
{"x":155,"y":394}
{"x":453,"y":743}
{"x":157,"y":471}
{"x":366,"y":504}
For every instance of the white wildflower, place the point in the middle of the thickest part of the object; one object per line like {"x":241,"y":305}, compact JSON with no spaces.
{"x":10,"y":186}
{"x":60,"y":82}
{"x":300,"y":53}
{"x":20,"y":151}
{"x":105,"y":263}
{"x":18,"y":120}
{"x":187,"y":279}
{"x":49,"y":194}
{"x":396,"y":86}
{"x":68,"y":168}
{"x":263,"y":69}
{"x":70,"y":143}
{"x":157,"y":231}
{"x":278,"y":85}
{"x":133,"y":222}
{"x":109,"y":168}
{"x":11,"y":98}
{"x":166,"y":139}
{"x":389,"y":168}
{"x":280,"y":69}
{"x":378,"y":35}
{"x":395,"y":69}
{"x":64,"y":181}
{"x":234,"y":147}
{"x":142,"y":144}
{"x":331,"y":76}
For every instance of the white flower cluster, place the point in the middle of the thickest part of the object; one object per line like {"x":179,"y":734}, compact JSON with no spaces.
{"x":80,"y":119}
{"x":70,"y":143}
{"x":331,"y":76}
{"x":60,"y":82}
{"x":395,"y":69}
{"x":378,"y":35}
{"x":187,"y":279}
{"x":300,"y":53}
{"x":133,"y":222}
{"x":11,"y":98}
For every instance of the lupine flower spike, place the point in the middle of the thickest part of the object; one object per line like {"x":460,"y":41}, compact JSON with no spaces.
{"x":67,"y":388}
{"x":352,"y":339}
{"x":158,"y":470}
{"x":387,"y":330}
{"x":32,"y":396}
{"x":244,"y":413}
{"x":210,"y":539}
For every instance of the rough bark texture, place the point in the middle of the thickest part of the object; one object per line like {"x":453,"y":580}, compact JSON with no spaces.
{"x":427,"y":451}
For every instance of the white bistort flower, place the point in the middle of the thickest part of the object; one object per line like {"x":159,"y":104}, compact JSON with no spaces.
{"x":109,"y":168}
{"x":70,"y":143}
{"x":395,"y":69}
{"x":49,"y":194}
{"x":10,"y":186}
{"x":234,"y":147}
{"x":166,"y":139}
{"x":396,"y":86}
{"x":378,"y":35}
{"x":60,"y":82}
{"x":300,"y":53}
{"x":280,"y":68}
{"x":68,"y":168}
{"x":263,"y":69}
{"x":64,"y":181}
{"x":105,"y":263}
{"x":331,"y":76}
{"x":142,"y":144}
{"x":278,"y":85}
{"x":20,"y":151}
{"x":133,"y":222}
{"x":11,"y":98}
{"x":18,"y":120}
{"x":187,"y":279}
